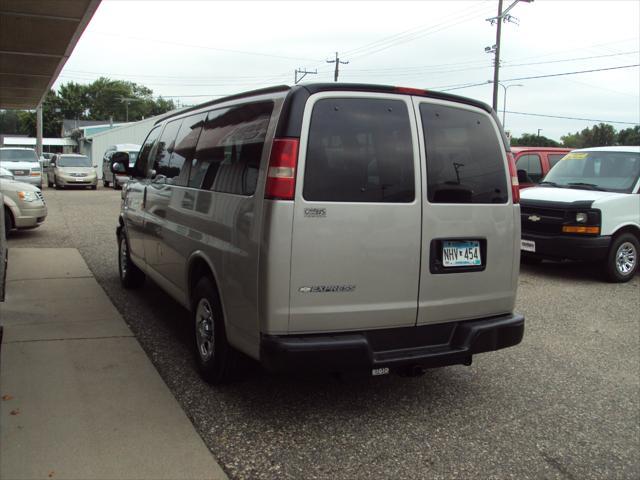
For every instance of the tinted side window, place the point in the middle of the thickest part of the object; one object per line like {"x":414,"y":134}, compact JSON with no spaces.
{"x":554,"y":158}
{"x":229,"y":149}
{"x":530,"y":163}
{"x":142,"y":164}
{"x":359,"y":150}
{"x":165,"y":148}
{"x":464,"y":156}
{"x":185,"y":147}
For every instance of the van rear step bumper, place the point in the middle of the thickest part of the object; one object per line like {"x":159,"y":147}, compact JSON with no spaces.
{"x":426,"y":346}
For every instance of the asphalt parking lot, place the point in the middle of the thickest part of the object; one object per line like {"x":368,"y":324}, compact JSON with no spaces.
{"x":563,"y":404}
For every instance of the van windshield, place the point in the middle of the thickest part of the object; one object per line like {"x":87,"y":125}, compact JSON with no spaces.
{"x":18,"y":155}
{"x":608,"y":171}
{"x":79,"y":161}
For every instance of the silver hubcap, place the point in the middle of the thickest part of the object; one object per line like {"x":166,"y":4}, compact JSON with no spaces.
{"x":626,"y":258}
{"x":204,"y":329}
{"x":123,"y":257}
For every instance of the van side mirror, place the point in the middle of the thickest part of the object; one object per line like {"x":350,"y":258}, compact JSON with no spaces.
{"x":120,"y":162}
{"x":523,"y":177}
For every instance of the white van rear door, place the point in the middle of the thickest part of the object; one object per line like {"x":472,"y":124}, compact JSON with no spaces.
{"x":470,"y":227}
{"x":356,"y":230}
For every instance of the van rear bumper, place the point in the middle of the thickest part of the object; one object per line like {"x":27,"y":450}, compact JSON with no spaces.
{"x":426,"y":346}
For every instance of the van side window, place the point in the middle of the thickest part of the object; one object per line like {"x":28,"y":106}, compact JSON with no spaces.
{"x":530,"y":163}
{"x":465,"y":162}
{"x":142,"y":164}
{"x":185,"y":147}
{"x":165,"y":147}
{"x":230,"y":148}
{"x":359,"y":150}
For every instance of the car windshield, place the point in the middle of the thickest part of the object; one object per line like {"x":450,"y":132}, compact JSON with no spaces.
{"x":132,"y":158}
{"x":18,"y":155}
{"x":75,"y":161}
{"x":597,"y":170}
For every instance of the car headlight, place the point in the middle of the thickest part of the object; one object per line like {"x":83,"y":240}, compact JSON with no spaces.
{"x":581,"y":217}
{"x":27,"y":196}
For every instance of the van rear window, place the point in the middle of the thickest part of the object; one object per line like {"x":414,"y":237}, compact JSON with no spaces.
{"x":464,"y":156}
{"x":359,"y":150}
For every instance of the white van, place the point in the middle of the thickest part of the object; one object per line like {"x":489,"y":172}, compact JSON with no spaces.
{"x":587,"y":208}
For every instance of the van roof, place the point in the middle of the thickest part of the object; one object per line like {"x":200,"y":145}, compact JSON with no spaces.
{"x":298,"y":95}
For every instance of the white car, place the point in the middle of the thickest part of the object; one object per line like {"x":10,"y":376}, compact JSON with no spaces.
{"x":23,"y":204}
{"x":587,"y":208}
{"x":23,"y":163}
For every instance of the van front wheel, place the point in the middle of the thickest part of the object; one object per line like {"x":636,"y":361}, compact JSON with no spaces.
{"x":622,"y":261}
{"x":216,"y":358}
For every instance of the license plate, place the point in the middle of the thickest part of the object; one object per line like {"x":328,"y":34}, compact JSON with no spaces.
{"x":19,"y":173}
{"x":461,"y":253}
{"x":528,"y":245}
{"x":79,"y":179}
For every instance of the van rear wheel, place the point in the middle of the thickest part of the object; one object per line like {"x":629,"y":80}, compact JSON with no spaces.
{"x":215,"y":357}
{"x":622,"y":262}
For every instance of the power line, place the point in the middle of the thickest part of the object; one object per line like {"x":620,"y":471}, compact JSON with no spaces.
{"x":206,"y":47}
{"x":572,"y":73}
{"x":572,"y":118}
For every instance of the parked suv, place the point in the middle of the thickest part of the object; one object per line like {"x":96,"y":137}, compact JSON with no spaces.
{"x":533,"y":163}
{"x":72,"y":170}
{"x":587,"y":208}
{"x":23,"y":163}
{"x":330,"y":227}
{"x":116,"y":180}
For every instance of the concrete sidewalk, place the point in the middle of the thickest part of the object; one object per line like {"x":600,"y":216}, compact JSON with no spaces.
{"x":80,"y":399}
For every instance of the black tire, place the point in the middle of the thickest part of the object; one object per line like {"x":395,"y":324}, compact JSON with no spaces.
{"x":622,"y":260}
{"x":8,"y":222}
{"x":218,"y":360}
{"x":105,"y":184}
{"x":131,"y":277}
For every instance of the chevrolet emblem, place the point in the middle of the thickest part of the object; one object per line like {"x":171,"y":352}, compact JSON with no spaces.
{"x":534,"y":218}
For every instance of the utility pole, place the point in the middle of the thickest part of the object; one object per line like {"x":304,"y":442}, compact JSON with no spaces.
{"x":126,"y":105}
{"x":496,"y":59}
{"x":495,"y":49}
{"x":337,"y":61}
{"x":303,"y":73}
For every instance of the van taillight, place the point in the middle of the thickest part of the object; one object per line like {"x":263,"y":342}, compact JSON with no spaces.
{"x":513,"y":173}
{"x":281,"y":176}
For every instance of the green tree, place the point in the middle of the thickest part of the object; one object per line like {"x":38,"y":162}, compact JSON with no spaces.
{"x":9,"y":122}
{"x":629,"y":136}
{"x":600,"y":135}
{"x":533,"y":140}
{"x":51,"y":118}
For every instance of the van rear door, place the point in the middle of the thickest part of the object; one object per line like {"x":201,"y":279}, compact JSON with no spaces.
{"x":356,"y":230}
{"x":470,"y":227}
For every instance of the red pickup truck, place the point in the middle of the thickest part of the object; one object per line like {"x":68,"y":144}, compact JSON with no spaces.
{"x":535,"y":162}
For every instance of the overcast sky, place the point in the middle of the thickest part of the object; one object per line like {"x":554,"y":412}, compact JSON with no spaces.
{"x":195,"y":51}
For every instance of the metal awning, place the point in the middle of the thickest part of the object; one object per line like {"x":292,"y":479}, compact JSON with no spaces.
{"x":36,"y":39}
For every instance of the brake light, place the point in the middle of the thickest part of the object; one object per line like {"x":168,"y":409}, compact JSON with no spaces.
{"x":281,"y":175}
{"x":410,"y":91}
{"x":513,"y":173}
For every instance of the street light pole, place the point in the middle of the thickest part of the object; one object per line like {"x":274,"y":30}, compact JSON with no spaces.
{"x":504,"y":102}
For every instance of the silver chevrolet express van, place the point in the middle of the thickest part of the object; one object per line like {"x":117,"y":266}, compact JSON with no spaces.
{"x":330,"y":227}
